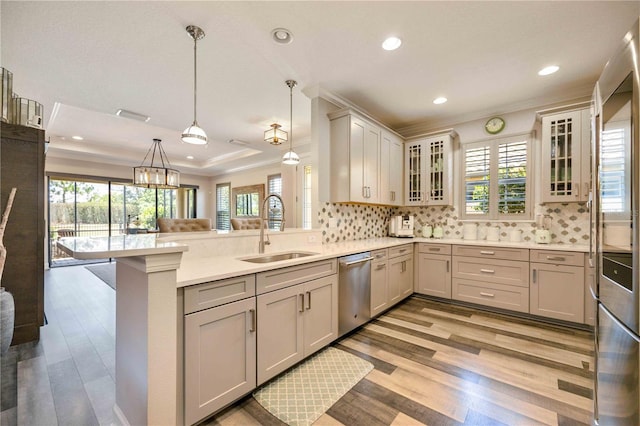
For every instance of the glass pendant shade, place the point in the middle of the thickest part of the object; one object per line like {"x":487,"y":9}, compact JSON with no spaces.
{"x":156,"y":176}
{"x":290,"y":158}
{"x":275,"y":135}
{"x":194,"y":135}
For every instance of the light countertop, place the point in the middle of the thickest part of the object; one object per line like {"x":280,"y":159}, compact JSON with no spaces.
{"x":195,"y":270}
{"x":118,"y":246}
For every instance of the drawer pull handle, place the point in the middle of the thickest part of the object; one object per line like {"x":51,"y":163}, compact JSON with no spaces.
{"x":490,"y":253}
{"x":379,"y":256}
{"x":253,"y":320}
{"x":482,"y":293}
{"x":308,"y":301}
{"x":381,"y":266}
{"x":301,"y":302}
{"x":434,"y":248}
{"x":558,"y":258}
{"x":403,"y":250}
{"x":488,"y":271}
{"x":447,"y":266}
{"x":535,"y":275}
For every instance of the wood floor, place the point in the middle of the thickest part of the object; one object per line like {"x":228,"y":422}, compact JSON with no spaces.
{"x":435,"y":364}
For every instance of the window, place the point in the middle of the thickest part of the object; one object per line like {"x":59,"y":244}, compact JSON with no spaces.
{"x":495,"y":179}
{"x":306,"y":198}
{"x":274,"y":186}
{"x":615,"y":195}
{"x":223,"y":206}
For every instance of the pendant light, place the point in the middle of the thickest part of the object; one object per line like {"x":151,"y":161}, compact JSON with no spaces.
{"x":275,"y":135}
{"x":159,"y":176}
{"x":291,"y":157}
{"x":194,"y":134}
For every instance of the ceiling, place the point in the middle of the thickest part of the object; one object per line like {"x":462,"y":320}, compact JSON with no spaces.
{"x":85,"y":60}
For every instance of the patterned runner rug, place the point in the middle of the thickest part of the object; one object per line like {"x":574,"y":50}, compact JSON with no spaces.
{"x":304,"y":393}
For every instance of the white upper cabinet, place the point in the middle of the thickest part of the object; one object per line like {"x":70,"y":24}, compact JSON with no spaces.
{"x":429,"y":170}
{"x":565,"y":174}
{"x":391,"y":152}
{"x":366,"y":165}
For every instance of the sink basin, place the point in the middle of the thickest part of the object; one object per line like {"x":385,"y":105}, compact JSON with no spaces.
{"x":268,"y":258}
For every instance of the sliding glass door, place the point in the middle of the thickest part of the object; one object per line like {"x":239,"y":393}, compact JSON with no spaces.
{"x":86,"y":208}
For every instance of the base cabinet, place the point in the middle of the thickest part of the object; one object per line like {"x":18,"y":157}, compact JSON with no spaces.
{"x":220,"y":357}
{"x":400,"y":278}
{"x":557,"y":291}
{"x":379,"y":282}
{"x":294,"y":322}
{"x":433,"y":270}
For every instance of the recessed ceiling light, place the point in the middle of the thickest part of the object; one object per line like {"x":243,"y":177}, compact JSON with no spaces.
{"x":189,"y":157}
{"x":548,"y":70}
{"x":78,"y":138}
{"x":282,"y":36}
{"x":440,"y":100}
{"x":391,"y":43}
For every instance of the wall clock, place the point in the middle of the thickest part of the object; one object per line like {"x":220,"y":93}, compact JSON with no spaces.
{"x":495,"y":125}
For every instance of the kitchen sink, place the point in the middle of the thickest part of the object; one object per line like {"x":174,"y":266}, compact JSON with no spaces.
{"x":268,"y":258}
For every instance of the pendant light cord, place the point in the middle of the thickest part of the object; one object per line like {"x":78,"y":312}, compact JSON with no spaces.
{"x":195,"y":77}
{"x":291,"y":117}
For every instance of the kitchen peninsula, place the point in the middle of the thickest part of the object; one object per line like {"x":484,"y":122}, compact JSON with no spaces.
{"x":155,"y":272}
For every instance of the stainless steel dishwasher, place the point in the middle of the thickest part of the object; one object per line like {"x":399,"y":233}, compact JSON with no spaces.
{"x":354,"y":294}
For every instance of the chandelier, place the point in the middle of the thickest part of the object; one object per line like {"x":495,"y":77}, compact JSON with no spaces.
{"x":156,"y":176}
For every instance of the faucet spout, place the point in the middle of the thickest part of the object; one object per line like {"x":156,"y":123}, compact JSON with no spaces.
{"x":265,"y":217}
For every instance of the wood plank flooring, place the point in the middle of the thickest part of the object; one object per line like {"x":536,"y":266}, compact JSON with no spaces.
{"x":435,"y":364}
{"x":440,"y":364}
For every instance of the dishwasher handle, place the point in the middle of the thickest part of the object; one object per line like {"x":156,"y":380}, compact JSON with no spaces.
{"x":355,"y":262}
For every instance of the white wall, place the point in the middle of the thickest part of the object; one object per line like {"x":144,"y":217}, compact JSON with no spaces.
{"x":87,"y":168}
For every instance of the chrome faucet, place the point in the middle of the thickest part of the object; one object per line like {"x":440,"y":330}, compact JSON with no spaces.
{"x":264,"y":217}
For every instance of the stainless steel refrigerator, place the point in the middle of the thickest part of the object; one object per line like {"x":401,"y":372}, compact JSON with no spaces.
{"x":616,"y":237}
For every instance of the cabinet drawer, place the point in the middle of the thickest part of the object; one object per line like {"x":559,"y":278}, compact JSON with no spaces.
{"x":430,"y":248}
{"x":216,"y":293}
{"x":285,"y":277}
{"x":557,"y":257}
{"x":379,"y":255}
{"x":492,"y":252}
{"x":492,"y":270}
{"x":400,"y":250}
{"x":491,"y":294}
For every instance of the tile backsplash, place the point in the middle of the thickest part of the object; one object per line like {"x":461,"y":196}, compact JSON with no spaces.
{"x":345,"y":222}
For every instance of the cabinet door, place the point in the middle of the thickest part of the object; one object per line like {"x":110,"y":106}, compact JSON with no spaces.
{"x":220,"y":357}
{"x":557,"y":291}
{"x":391,"y":152}
{"x":406,"y":279}
{"x":356,"y":160}
{"x":371,"y":171}
{"x":434,"y":275}
{"x":561,"y":157}
{"x":320,"y":313}
{"x":364,"y":151}
{"x":279,"y":331}
{"x":439,"y":171}
{"x":400,"y":283}
{"x":379,"y":298}
{"x":414,"y":164}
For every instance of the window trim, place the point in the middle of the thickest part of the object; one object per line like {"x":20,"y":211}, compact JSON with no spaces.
{"x":494,"y":144}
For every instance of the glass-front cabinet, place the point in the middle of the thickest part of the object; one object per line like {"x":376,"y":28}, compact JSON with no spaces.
{"x":429,"y":170}
{"x":565,"y":156}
